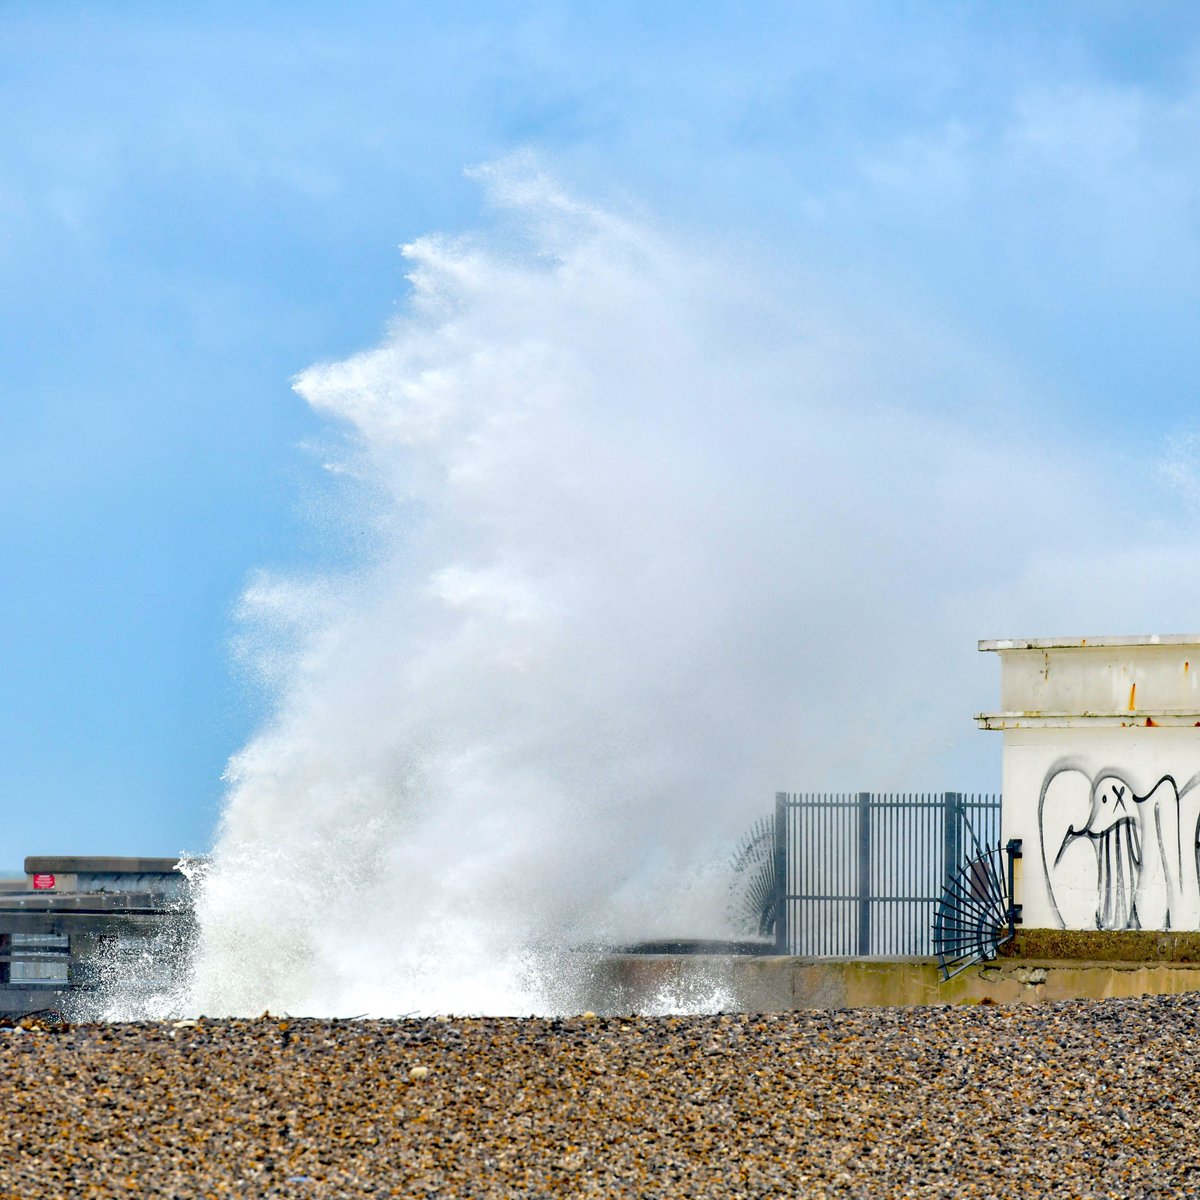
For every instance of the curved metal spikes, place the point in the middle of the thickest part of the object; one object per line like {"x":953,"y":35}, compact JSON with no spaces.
{"x":975,"y":915}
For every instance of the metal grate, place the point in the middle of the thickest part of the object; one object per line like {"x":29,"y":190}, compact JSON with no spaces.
{"x":860,"y":874}
{"x":976,"y":914}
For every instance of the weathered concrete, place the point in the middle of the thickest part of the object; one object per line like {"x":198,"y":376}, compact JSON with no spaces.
{"x":1106,"y":945}
{"x":59,"y":864}
{"x":649,"y":983}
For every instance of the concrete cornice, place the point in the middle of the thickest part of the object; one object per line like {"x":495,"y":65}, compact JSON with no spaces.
{"x":1091,"y":643}
{"x":1068,"y":720}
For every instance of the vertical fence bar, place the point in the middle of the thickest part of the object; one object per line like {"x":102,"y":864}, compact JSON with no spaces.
{"x":951,"y":832}
{"x":886,"y":877}
{"x":847,"y":919}
{"x":781,"y":873}
{"x":864,"y":873}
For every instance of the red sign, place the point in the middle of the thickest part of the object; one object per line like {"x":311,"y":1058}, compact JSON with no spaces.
{"x":43,"y":883}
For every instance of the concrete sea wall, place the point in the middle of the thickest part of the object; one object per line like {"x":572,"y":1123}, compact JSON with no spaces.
{"x":661,"y":982}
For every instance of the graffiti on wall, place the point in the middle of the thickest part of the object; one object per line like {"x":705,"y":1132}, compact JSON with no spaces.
{"x":1119,"y":857}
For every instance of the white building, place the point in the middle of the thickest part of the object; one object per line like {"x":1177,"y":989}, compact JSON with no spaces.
{"x":1102,"y":779}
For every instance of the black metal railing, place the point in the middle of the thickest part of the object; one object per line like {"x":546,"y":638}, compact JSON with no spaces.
{"x":860,"y":874}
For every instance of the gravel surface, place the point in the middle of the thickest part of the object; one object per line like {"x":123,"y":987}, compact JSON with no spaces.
{"x":1074,"y":1099}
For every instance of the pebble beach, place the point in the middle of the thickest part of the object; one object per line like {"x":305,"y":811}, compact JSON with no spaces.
{"x":1079,"y":1099}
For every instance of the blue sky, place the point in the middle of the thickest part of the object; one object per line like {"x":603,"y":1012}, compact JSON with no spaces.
{"x":197,"y":202}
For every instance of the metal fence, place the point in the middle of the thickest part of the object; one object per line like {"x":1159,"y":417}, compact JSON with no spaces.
{"x":859,"y":874}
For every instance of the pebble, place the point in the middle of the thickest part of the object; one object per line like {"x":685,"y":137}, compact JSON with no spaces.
{"x":1079,"y":1099}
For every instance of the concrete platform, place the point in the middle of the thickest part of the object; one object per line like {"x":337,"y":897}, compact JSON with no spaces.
{"x":652,"y":982}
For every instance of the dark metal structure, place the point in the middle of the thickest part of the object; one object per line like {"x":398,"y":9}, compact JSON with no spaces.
{"x":976,"y":914}
{"x":860,"y":874}
{"x":755,"y":887}
{"x":75,"y":921}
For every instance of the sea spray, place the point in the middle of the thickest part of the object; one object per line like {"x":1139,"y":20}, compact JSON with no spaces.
{"x":645,"y":544}
{"x":495,"y":744}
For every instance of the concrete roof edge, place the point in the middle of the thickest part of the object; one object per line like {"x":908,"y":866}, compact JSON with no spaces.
{"x":1089,"y":643}
{"x":58,"y":864}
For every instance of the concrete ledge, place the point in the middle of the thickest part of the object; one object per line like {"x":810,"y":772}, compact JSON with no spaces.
{"x":1092,"y":945}
{"x":57,"y":864}
{"x":649,"y":983}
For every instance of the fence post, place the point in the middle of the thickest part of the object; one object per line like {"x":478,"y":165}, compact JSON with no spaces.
{"x":864,"y":874}
{"x":781,"y":874}
{"x":952,"y":839}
